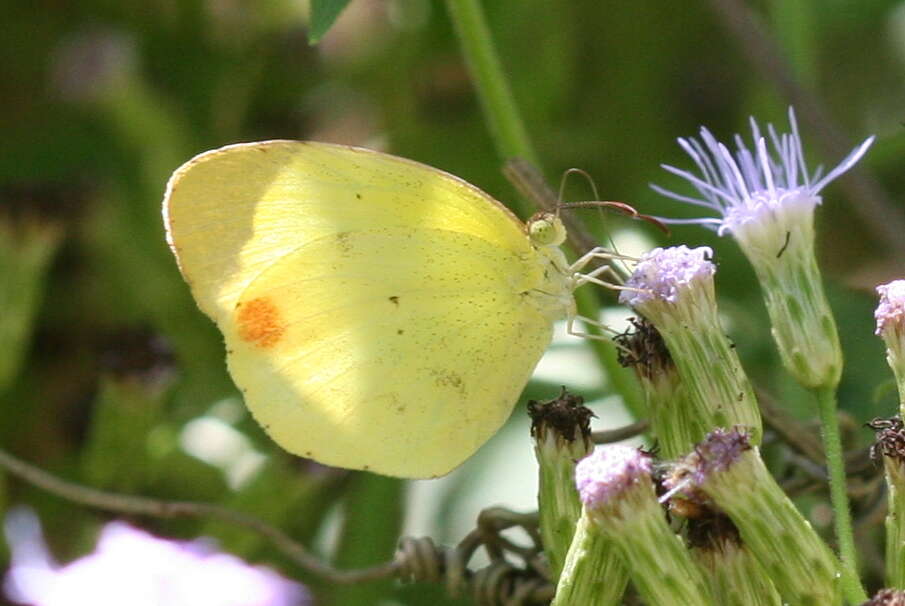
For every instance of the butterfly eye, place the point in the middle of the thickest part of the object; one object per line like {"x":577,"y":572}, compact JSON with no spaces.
{"x":546,"y":229}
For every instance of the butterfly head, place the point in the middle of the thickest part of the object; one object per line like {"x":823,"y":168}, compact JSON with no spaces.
{"x":546,"y":229}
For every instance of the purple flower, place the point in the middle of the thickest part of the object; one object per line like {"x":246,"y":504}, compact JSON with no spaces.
{"x":130,"y":566}
{"x":752,"y":186}
{"x":664,"y":273}
{"x":609,"y":471}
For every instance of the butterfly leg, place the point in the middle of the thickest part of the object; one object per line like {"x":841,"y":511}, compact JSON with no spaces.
{"x":581,"y":279}
{"x":597,"y":253}
{"x":570,"y":328}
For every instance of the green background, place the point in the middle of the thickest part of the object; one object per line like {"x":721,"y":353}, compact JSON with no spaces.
{"x":107,"y":366}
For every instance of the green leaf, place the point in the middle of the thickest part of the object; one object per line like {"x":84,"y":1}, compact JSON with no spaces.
{"x":323,"y":14}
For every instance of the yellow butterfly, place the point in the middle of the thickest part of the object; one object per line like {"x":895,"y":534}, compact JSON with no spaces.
{"x":378,"y":314}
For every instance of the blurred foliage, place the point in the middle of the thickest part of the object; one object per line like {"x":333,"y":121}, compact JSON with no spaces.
{"x":322,"y":16}
{"x":107,"y":363}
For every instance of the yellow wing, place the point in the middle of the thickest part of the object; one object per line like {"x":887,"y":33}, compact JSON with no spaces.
{"x":378,"y":314}
{"x":231,"y":212}
{"x":399,"y":350}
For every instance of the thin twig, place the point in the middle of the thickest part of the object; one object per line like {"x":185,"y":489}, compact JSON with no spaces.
{"x":620,"y":433}
{"x":792,"y":431}
{"x":868,"y":198}
{"x":134,"y":505}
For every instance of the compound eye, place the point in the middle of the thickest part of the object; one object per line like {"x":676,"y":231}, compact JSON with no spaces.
{"x":546,"y":229}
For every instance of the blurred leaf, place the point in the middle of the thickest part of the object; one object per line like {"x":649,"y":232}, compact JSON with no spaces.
{"x":372,"y":520}
{"x":323,"y":14}
{"x":26,"y":249}
{"x":279,"y":493}
{"x":125,"y":412}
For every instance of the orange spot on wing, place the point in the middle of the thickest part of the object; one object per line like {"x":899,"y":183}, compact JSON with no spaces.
{"x":260,"y":323}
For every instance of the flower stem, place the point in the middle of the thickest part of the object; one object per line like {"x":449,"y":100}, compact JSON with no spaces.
{"x":500,"y":110}
{"x":826,"y":402}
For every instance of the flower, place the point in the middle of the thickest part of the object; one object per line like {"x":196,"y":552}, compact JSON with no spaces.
{"x":890,"y":312}
{"x":621,"y":516}
{"x":130,"y":566}
{"x":606,"y":473}
{"x":673,"y":289}
{"x":767,"y":202}
{"x":729,"y":470}
{"x":666,"y":274}
{"x":748,"y":189}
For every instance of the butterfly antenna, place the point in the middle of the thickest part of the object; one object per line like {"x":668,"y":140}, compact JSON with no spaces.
{"x":565,"y":179}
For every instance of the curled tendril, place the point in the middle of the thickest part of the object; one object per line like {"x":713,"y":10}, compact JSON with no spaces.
{"x":517,"y":575}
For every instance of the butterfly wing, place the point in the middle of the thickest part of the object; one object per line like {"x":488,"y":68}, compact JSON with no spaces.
{"x":397,"y":350}
{"x":231,"y":212}
{"x":377,"y":312}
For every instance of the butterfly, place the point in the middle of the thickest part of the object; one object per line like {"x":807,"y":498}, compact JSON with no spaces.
{"x":378,"y":314}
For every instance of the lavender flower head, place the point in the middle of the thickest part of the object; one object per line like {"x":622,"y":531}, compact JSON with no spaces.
{"x":664,"y":273}
{"x":752,"y":187}
{"x":766,"y":199}
{"x":890,"y":312}
{"x":608,"y":472}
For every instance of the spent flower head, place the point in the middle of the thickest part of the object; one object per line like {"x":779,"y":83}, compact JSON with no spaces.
{"x":644,"y":351}
{"x":889,"y":445}
{"x":561,"y":429}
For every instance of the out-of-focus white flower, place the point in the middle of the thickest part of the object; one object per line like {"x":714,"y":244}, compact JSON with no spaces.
{"x":131,"y":567}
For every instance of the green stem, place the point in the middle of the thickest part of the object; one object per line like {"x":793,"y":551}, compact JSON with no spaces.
{"x":835,"y":463}
{"x":500,"y":110}
{"x":511,"y":139}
